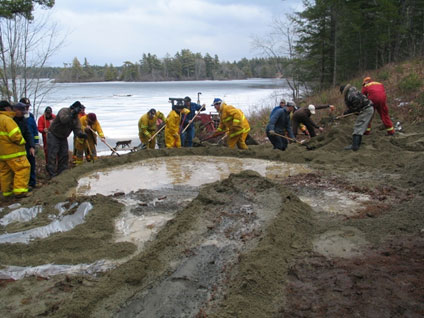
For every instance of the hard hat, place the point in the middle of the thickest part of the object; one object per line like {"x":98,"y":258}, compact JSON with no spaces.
{"x":291,"y":104}
{"x":217,"y":101}
{"x":366,"y":80}
{"x":311,"y":109}
{"x":283,"y":101}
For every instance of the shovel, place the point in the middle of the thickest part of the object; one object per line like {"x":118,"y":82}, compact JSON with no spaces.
{"x":104,"y":141}
{"x":194,"y":117}
{"x":298,"y":142}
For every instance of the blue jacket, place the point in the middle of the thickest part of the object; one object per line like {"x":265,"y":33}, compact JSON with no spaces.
{"x":32,"y":125}
{"x":280,"y":122}
{"x":273,"y":110}
{"x":193,"y":108}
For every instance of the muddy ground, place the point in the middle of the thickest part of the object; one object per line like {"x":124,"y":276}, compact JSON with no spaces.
{"x":246,"y":246}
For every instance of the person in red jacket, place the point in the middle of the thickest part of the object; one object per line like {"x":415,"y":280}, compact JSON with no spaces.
{"x":377,"y":94}
{"x":43,"y":126}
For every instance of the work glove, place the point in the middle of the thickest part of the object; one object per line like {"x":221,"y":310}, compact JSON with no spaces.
{"x":332,"y":108}
{"x":82,"y":135}
{"x":272,"y":132}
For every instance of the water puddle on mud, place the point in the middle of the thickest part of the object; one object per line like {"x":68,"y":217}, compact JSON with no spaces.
{"x":153,"y":190}
{"x":164,"y":172}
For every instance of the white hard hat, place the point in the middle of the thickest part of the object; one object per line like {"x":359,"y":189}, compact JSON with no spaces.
{"x":311,"y":109}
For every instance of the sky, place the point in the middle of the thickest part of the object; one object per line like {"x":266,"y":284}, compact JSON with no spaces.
{"x":115,"y":31}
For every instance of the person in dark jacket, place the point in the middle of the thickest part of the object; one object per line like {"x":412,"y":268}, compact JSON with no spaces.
{"x":66,"y":121}
{"x":188,"y":135}
{"x":303,"y":116}
{"x":356,"y":102}
{"x":22,"y":121}
{"x":279,"y":123}
{"x":32,"y":125}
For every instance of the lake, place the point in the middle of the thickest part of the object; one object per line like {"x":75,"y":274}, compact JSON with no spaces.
{"x":119,"y":105}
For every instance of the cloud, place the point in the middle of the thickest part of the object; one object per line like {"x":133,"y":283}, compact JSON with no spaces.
{"x":117,"y":31}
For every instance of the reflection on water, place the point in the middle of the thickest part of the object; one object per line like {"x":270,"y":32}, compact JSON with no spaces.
{"x":159,"y":173}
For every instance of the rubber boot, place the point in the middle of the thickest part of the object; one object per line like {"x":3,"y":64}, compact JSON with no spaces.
{"x":356,"y":142}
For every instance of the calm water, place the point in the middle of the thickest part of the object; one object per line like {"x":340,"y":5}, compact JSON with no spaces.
{"x":119,"y":105}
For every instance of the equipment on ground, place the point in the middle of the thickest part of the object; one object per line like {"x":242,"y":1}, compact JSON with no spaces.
{"x":344,"y":116}
{"x":104,"y":141}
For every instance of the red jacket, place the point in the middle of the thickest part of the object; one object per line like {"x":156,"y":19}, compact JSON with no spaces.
{"x":375,"y":92}
{"x":42,"y":124}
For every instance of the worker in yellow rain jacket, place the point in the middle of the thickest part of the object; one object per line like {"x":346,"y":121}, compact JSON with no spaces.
{"x":233,"y":123}
{"x":14,"y":166}
{"x":172,"y":126}
{"x":147,"y":127}
{"x":91,"y":126}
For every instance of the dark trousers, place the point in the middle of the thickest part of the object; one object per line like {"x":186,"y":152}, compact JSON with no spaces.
{"x":31,"y":160}
{"x":57,"y":153}
{"x":187,"y":137}
{"x":277,"y":141}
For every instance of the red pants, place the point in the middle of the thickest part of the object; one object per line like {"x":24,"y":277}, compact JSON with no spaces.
{"x":381,"y":107}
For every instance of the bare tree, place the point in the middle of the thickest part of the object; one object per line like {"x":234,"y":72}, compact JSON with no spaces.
{"x":279,"y":45}
{"x":25,"y":48}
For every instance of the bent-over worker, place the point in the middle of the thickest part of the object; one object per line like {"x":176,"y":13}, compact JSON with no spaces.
{"x":233,"y":122}
{"x":147,"y":127}
{"x":91,"y":126}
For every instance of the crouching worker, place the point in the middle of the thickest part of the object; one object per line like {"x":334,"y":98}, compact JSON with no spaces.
{"x":14,"y":166}
{"x":172,"y":126}
{"x":91,"y":126}
{"x":278,"y":125}
{"x":147,"y":127}
{"x":356,"y":102}
{"x":233,"y":122}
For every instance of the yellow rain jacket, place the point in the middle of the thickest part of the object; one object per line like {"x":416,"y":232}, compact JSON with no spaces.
{"x":147,"y":128}
{"x":81,"y":146}
{"x":172,"y":128}
{"x":235,"y":124}
{"x":12,"y":144}
{"x":14,"y":166}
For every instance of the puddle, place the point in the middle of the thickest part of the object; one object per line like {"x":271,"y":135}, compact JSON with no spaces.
{"x":333,"y":201}
{"x":164,"y":172}
{"x":346,"y":242}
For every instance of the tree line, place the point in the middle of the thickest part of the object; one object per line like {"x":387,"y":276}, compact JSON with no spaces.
{"x":184,"y":65}
{"x":338,"y":39}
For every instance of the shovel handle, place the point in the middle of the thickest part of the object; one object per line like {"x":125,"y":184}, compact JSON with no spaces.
{"x":191,"y":120}
{"x":104,"y":141}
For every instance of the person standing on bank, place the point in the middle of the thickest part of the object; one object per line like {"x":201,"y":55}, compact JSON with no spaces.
{"x":377,"y":94}
{"x":32,"y":125}
{"x":44,"y":123}
{"x":188,"y":135}
{"x":172,"y":126}
{"x":65,"y":122}
{"x":14,"y":166}
{"x":303,"y":116}
{"x":356,"y":102}
{"x":279,"y":123}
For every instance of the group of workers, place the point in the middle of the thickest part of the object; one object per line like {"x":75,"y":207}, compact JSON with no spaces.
{"x":19,"y":132}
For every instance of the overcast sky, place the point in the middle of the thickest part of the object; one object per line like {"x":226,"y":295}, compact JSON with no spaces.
{"x":114,"y":31}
